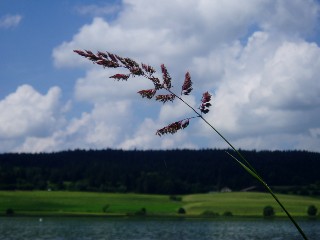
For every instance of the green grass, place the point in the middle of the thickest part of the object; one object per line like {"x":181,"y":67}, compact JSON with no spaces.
{"x":66,"y":203}
{"x":85,"y":203}
{"x":247,"y":203}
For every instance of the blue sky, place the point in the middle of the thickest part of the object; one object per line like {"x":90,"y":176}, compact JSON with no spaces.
{"x":259,"y":59}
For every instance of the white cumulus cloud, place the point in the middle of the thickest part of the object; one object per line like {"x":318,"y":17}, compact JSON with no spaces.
{"x":269,"y":94}
{"x":28,"y":113}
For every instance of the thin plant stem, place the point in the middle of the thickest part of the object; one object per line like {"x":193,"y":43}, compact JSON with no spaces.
{"x":272,"y":194}
{"x":248,"y":167}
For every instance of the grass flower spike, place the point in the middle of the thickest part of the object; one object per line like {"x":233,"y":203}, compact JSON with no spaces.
{"x":166,"y":77}
{"x":173,"y":127}
{"x":187,"y":85}
{"x":206,"y":98}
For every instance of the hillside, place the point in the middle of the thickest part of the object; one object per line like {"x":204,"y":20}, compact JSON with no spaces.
{"x":159,"y":172}
{"x":57,"y":203}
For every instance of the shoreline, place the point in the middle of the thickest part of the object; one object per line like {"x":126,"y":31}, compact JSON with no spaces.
{"x":154,"y":217}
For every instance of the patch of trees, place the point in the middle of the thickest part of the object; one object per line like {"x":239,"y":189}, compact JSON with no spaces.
{"x":163,"y":172}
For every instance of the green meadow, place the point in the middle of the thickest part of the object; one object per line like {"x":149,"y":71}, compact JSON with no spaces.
{"x":60,"y":203}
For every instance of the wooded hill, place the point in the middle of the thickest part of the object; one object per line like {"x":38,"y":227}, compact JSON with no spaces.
{"x":163,"y":172}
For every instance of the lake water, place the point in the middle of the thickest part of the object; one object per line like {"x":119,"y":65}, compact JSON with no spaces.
{"x":138,"y":229}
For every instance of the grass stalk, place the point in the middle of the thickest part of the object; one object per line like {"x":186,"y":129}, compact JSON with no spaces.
{"x":244,"y":164}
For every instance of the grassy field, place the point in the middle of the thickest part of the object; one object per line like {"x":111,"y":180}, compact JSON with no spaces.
{"x":247,"y":203}
{"x":84,"y":203}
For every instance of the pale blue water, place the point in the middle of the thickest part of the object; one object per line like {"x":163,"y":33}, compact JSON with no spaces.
{"x":124,"y":229}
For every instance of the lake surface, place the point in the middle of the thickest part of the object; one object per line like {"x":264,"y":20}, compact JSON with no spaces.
{"x":16,"y":228}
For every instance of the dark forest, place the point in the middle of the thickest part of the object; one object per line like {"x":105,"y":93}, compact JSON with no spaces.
{"x":159,"y":172}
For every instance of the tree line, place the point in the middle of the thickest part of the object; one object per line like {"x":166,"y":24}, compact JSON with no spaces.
{"x":158,"y":172}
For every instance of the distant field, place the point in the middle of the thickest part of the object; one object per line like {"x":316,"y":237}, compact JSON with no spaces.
{"x":247,"y":203}
{"x":86,"y":203}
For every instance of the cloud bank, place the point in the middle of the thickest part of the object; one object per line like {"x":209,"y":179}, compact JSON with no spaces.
{"x":253,"y":56}
{"x":27,"y":114}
